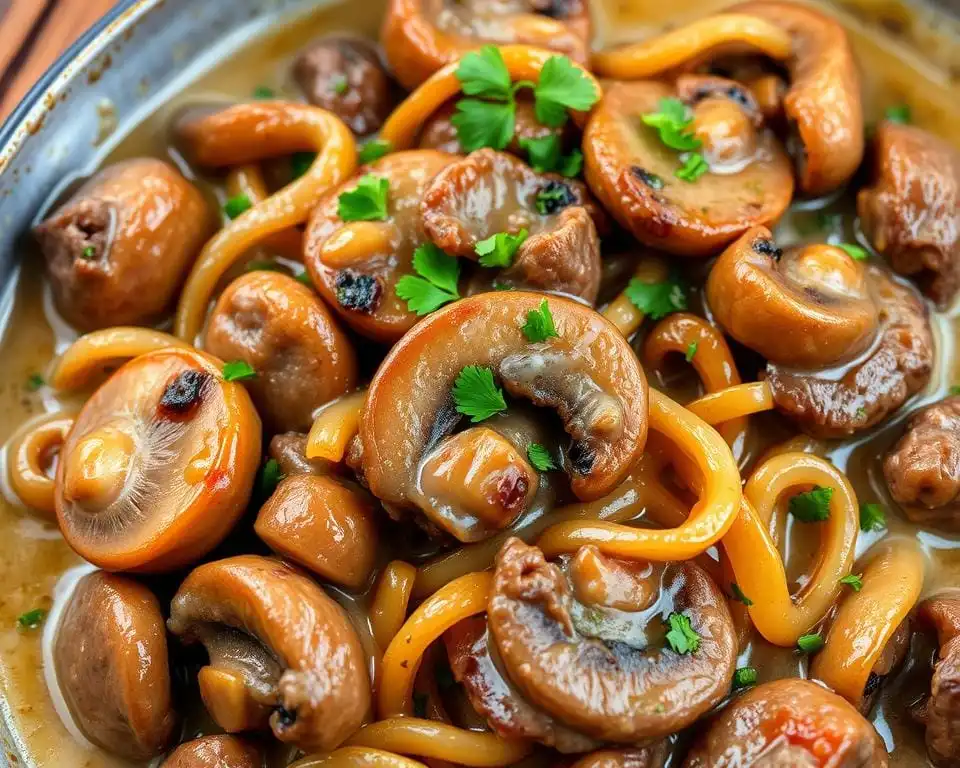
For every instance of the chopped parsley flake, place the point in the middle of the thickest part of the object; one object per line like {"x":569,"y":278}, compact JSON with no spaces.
{"x":499,"y":250}
{"x":899,"y":113}
{"x":35,"y":381}
{"x":540,"y":457}
{"x":374,"y":150}
{"x":31,"y":619}
{"x":854,"y":251}
{"x":238,"y":370}
{"x":810,"y":643}
{"x":681,"y":636}
{"x":236,"y":206}
{"x":872,"y":517}
{"x":539,"y":325}
{"x":436,"y":283}
{"x":476,"y":395}
{"x":657,"y":300}
{"x":738,"y":594}
{"x":270,"y":477}
{"x":691,"y":351}
{"x":744,"y":676}
{"x":367,"y":201}
{"x":813,"y":506}
{"x":853,"y":581}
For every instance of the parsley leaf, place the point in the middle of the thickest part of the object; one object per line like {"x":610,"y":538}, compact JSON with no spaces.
{"x":499,"y":250}
{"x":374,"y":150}
{"x":657,"y":299}
{"x":436,"y":284}
{"x":542,"y":153}
{"x":367,"y":201}
{"x":35,"y":382}
{"x":89,"y":252}
{"x":812,"y":506}
{"x":562,"y":86}
{"x":899,"y":113}
{"x":810,"y":643}
{"x":539,"y":325}
{"x":484,"y":73}
{"x":339,"y":85}
{"x":738,"y":594}
{"x":475,"y":394}
{"x":744,"y":676}
{"x":300,"y":163}
{"x":682,"y":637}
{"x":571,"y":165}
{"x":672,"y":122}
{"x":853,"y":581}
{"x":855,"y":252}
{"x":691,"y":351}
{"x":238,"y":370}
{"x":304,"y":277}
{"x":483,"y":124}
{"x":263,"y":92}
{"x":237,"y":205}
{"x":262,"y":265}
{"x":693,"y":168}
{"x":872,"y":517}
{"x":954,"y":390}
{"x":540,"y":457}
{"x":270,"y":477}
{"x":31,"y":619}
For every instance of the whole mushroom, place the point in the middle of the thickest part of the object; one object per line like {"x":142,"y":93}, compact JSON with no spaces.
{"x":110,"y":658}
{"x":214,"y":752}
{"x":939,"y":711}
{"x":281,"y":651}
{"x":120,"y":248}
{"x":159,"y":464}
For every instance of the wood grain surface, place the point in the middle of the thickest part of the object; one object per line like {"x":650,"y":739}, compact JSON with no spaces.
{"x":32,"y":34}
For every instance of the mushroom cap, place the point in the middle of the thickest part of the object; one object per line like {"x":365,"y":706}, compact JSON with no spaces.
{"x":214,"y":752}
{"x":941,"y":711}
{"x":288,"y":336}
{"x":654,"y":756}
{"x":356,"y":265}
{"x":318,"y":683}
{"x":911,"y":211}
{"x":632,"y":172}
{"x":421,"y":36}
{"x":792,"y":721}
{"x":145,"y":223}
{"x":110,"y":656}
{"x":818,"y":297}
{"x":323,"y":525}
{"x":589,"y":372}
{"x":606,"y":682}
{"x":822,"y":102}
{"x":159,"y":464}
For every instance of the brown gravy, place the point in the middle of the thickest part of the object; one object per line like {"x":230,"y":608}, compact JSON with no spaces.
{"x":33,"y":557}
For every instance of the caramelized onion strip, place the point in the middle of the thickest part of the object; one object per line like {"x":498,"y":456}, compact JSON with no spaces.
{"x":358,"y":757}
{"x":334,"y":426}
{"x":523,"y":62}
{"x":752,"y":547}
{"x":718,"y":482}
{"x":248,"y":180}
{"x":866,"y":620}
{"x":622,"y":312}
{"x":732,"y":403}
{"x":389,"y":608}
{"x":243,"y":134}
{"x":439,"y":741}
{"x":28,"y":459}
{"x":94,"y":352}
{"x":673,"y":49}
{"x":684,"y":333}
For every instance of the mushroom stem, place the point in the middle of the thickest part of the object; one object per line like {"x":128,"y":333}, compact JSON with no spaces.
{"x":649,"y":58}
{"x":334,"y":426}
{"x":243,"y":134}
{"x":97,"y":469}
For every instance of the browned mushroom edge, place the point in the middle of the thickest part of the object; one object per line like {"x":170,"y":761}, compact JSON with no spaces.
{"x":119,"y":249}
{"x":588,"y":373}
{"x":911,"y":211}
{"x":287,"y":335}
{"x":110,"y":657}
{"x":214,"y":752}
{"x":573,"y":654}
{"x":281,"y":651}
{"x":633,"y":172}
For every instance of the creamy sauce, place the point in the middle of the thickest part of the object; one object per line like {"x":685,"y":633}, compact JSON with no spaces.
{"x":33,"y":557}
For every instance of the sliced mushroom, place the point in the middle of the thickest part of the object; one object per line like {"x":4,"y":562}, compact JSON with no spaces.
{"x":634,"y":173}
{"x":110,"y":656}
{"x":278,"y":646}
{"x":940,"y":712}
{"x":289,"y":450}
{"x":638,"y":757}
{"x":489,"y":192}
{"x":356,"y":265}
{"x":324,"y":525}
{"x":159,"y":465}
{"x":911,"y":213}
{"x":344,"y":75}
{"x":118,"y":251}
{"x":789,"y":723}
{"x":421,"y":36}
{"x":286,"y":334}
{"x":214,"y":752}
{"x":583,"y":642}
{"x":923,"y":468}
{"x":859,"y":346}
{"x":822,"y":103}
{"x":588,"y":373}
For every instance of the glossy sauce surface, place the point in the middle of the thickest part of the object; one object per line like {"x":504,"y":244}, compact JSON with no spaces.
{"x":33,"y":556}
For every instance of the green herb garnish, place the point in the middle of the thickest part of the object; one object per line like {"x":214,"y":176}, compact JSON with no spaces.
{"x":812,"y":506}
{"x":682,"y":637}
{"x":899,"y":113}
{"x":339,"y":85}
{"x":31,"y":619}
{"x":263,"y":92}
{"x":872,"y":517}
{"x":810,"y":643}
{"x":367,"y":201}
{"x":270,"y":477}
{"x":436,"y":284}
{"x":672,"y":121}
{"x":853,"y":581}
{"x":540,"y":457}
{"x":35,"y":381}
{"x":262,"y":265}
{"x":89,"y":252}
{"x":744,"y":676}
{"x":658,"y":300}
{"x":738,"y":594}
{"x":691,"y":351}
{"x":693,"y":168}
{"x":304,"y":277}
{"x":476,"y":395}
{"x":236,"y":206}
{"x":855,"y":251}
{"x":544,"y":156}
{"x":499,"y":250}
{"x":539,"y":325}
{"x":238,"y":370}
{"x":300,"y":163}
{"x":374,"y":150}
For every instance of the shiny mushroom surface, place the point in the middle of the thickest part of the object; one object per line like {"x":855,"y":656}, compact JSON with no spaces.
{"x":911,"y":211}
{"x":159,"y":465}
{"x":300,"y":356}
{"x":110,"y":657}
{"x":634,"y":174}
{"x":214,"y":752}
{"x":281,"y":651}
{"x":938,"y":712}
{"x":119,"y":250}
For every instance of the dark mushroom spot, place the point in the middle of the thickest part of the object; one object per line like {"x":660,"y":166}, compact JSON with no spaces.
{"x":183,"y":394}
{"x":554,"y":196}
{"x":581,"y":457}
{"x":555,"y":9}
{"x":286,"y":718}
{"x":767,"y":248}
{"x":650,"y":179}
{"x":360,"y":293}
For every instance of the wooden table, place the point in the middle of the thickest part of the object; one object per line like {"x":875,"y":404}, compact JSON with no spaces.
{"x":32,"y":35}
